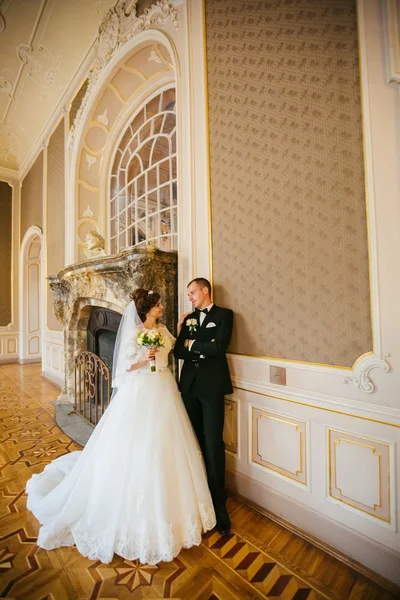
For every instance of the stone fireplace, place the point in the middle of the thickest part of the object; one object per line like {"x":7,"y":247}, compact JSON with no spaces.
{"x":90,"y":296}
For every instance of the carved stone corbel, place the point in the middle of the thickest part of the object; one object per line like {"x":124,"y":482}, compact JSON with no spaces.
{"x":61,"y":294}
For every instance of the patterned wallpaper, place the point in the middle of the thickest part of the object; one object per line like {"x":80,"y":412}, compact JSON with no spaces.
{"x":55,"y":214}
{"x":5,"y":252}
{"x":287,"y":184}
{"x":32,"y":197}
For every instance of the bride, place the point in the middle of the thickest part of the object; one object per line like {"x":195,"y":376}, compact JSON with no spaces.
{"x":139,"y":487}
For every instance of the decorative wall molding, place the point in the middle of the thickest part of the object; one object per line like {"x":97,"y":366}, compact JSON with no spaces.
{"x":118,"y":27}
{"x":372,"y":494}
{"x":231,"y":428}
{"x":53,"y":356}
{"x":345,"y":406}
{"x":25,"y":292}
{"x":279,"y":444}
{"x":361,"y":378}
{"x":8,"y":347}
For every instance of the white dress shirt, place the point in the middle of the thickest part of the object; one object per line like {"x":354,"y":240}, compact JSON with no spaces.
{"x":202,"y":317}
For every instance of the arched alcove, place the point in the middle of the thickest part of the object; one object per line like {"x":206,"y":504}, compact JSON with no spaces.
{"x":142,"y":69}
{"x":31,"y":313}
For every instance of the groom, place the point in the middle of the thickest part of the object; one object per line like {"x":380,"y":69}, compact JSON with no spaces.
{"x":202,"y":344}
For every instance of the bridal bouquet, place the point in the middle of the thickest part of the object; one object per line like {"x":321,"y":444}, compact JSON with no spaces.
{"x":150,"y":339}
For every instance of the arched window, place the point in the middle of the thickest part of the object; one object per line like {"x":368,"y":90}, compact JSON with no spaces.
{"x":143,"y":179}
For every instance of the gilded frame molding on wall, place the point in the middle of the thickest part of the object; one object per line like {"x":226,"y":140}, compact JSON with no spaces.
{"x":359,"y":371}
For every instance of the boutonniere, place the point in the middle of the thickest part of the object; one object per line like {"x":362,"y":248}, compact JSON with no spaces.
{"x":192,"y":324}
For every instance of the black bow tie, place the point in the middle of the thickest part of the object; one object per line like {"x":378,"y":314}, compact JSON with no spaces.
{"x":202,"y":310}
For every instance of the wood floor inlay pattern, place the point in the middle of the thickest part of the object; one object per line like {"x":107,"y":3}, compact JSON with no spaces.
{"x":259,"y":559}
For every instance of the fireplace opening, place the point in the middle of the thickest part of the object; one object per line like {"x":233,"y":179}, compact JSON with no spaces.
{"x":93,"y":366}
{"x":102,"y":332}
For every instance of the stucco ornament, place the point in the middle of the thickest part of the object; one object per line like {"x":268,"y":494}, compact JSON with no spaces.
{"x":94,"y":244}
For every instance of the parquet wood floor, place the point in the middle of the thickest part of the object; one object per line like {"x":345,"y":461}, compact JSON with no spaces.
{"x":259,"y":559}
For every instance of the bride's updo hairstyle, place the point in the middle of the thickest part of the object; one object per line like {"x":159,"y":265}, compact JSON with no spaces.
{"x":144,"y":300}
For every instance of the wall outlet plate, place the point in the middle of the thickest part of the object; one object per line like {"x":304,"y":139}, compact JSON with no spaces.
{"x":277,"y":375}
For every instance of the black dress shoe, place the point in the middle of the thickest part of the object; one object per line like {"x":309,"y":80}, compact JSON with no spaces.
{"x":223,"y":527}
{"x":223,"y":522}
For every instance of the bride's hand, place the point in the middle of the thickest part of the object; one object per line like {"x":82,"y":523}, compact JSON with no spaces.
{"x":147,"y":356}
{"x":183,"y":317}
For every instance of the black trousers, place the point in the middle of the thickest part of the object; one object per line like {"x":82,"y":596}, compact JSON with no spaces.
{"x":207,"y":418}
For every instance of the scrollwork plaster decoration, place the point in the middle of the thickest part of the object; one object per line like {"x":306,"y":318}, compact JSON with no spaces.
{"x":43,"y":66}
{"x":362,"y":380}
{"x":88,"y":212}
{"x":103,"y":119}
{"x":7,"y":81}
{"x":24,"y":52}
{"x":8,"y":145}
{"x":154,"y":57}
{"x":119,"y":26}
{"x":91,"y":160}
{"x":5,"y":86}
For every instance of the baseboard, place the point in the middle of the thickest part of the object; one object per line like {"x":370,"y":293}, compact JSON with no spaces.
{"x":53,"y":376}
{"x":363,"y":554}
{"x":28,"y":361}
{"x":9,"y":361}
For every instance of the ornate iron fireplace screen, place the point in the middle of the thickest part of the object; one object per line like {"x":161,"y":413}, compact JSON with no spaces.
{"x":92,"y":386}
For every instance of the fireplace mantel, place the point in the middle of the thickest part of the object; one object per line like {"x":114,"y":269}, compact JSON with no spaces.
{"x":106,"y":282}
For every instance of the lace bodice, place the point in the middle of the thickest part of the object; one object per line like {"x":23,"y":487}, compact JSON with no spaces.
{"x":134,"y":352}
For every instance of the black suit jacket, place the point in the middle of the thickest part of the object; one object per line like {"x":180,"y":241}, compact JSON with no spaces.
{"x":208,"y":376}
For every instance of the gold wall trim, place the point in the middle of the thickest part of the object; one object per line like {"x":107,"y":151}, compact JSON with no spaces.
{"x":367,"y":211}
{"x":300,"y":475}
{"x":211,"y":275}
{"x":300,"y":362}
{"x":11,"y":346}
{"x":375,"y":453}
{"x":332,"y":410}
{"x":260,"y":417}
{"x":33,"y":295}
{"x":353,"y":503}
{"x":232,"y":444}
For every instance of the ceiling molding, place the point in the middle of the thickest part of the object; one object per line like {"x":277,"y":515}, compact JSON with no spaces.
{"x":8,"y":174}
{"x":62,"y":107}
{"x":41,"y":69}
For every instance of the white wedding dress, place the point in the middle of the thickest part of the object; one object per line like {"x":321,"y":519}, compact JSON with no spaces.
{"x":139,"y":487}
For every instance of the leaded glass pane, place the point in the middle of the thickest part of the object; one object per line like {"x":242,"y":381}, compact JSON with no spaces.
{"x":143,"y":184}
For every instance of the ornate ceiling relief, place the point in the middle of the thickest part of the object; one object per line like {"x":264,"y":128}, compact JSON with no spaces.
{"x":43,"y":68}
{"x":9,"y":146}
{"x":38,"y":65}
{"x":119,"y":26}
